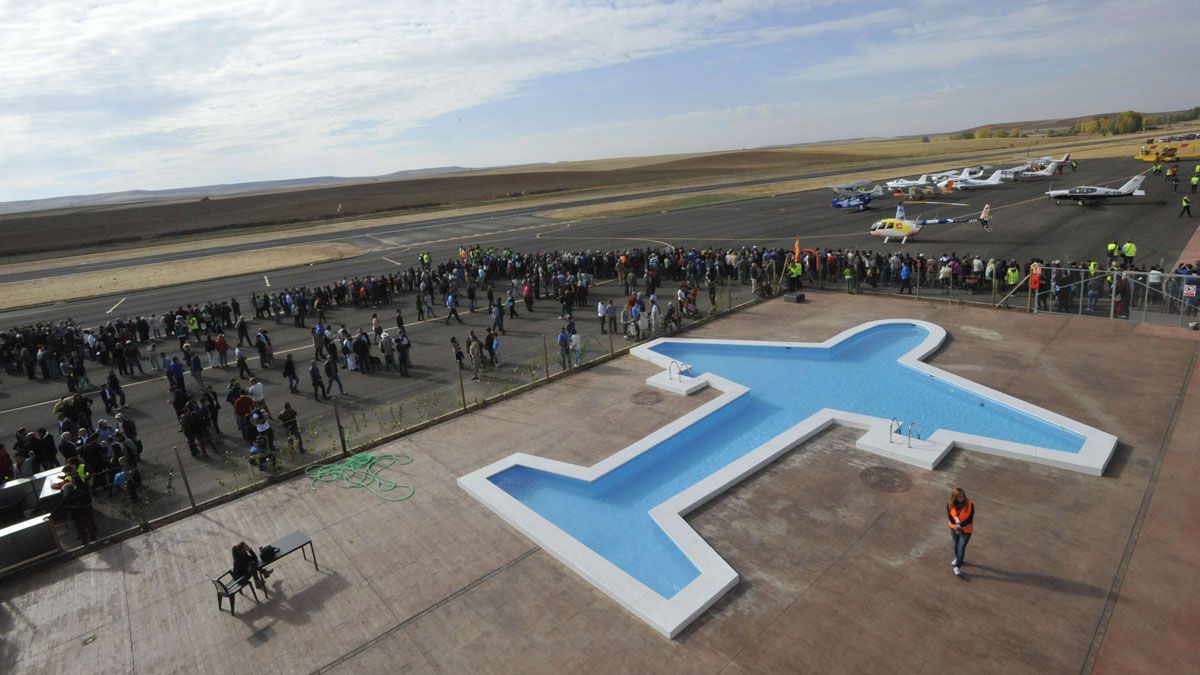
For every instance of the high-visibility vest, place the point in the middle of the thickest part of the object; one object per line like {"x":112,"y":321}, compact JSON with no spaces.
{"x":1129,"y":250}
{"x":1196,"y":178}
{"x":1112,"y":248}
{"x":1187,"y":201}
{"x":958,"y":515}
{"x":1013,"y":276}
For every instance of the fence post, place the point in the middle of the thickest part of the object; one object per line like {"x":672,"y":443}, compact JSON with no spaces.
{"x":1112,"y":295}
{"x":462,"y":390}
{"x":183,"y":473}
{"x":546,"y":356}
{"x":1085,"y":275}
{"x":611,"y":350}
{"x":337,"y":416}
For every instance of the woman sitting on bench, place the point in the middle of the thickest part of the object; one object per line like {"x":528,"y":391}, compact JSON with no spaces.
{"x":247,"y":565}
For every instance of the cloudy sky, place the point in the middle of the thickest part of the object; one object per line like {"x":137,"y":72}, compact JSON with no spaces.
{"x":101,"y":96}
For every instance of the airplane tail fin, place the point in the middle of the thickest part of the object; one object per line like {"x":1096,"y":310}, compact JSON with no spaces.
{"x":900,"y":211}
{"x":1133,"y":184}
{"x":997,"y":176}
{"x":1066,"y":158}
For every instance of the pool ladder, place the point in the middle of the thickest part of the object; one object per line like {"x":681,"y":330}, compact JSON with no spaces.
{"x":896,"y":425}
{"x":678,"y":369}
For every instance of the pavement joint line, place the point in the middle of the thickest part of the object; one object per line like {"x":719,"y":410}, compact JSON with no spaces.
{"x":1135,"y":530}
{"x":440,"y":603}
{"x":817,"y":580}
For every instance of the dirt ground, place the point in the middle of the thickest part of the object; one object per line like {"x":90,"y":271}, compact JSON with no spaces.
{"x":71,"y":230}
{"x":94,"y":284}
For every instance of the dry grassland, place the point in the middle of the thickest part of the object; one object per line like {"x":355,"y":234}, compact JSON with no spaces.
{"x":141,"y":277}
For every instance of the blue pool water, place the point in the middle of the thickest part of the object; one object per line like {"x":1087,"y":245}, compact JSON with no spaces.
{"x":787,"y":385}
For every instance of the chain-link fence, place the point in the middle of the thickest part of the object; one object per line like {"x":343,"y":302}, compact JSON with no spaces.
{"x":1151,"y":297}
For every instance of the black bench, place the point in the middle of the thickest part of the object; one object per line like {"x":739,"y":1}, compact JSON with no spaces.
{"x":229,"y":587}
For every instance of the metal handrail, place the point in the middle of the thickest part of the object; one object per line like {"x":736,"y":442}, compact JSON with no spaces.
{"x":894,"y":426}
{"x":678,"y":370}
{"x":912,"y":426}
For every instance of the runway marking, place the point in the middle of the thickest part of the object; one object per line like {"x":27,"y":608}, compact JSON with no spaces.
{"x":382,"y":241}
{"x":268,"y":281}
{"x":566,"y":225}
{"x":111,"y":309}
{"x":391,"y":261}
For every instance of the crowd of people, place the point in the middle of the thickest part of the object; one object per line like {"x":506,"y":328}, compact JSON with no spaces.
{"x":102,"y":457}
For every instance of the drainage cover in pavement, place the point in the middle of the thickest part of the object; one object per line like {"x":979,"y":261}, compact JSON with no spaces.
{"x":647,"y":397}
{"x":886,"y":479}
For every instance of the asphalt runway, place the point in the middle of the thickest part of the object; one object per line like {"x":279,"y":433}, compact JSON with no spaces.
{"x":510,"y":220}
{"x":1024,"y":225}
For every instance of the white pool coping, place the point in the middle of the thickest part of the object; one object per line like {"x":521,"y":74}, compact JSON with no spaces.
{"x":671,"y":615}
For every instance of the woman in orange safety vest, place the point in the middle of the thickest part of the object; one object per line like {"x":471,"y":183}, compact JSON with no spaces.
{"x":960,"y":514}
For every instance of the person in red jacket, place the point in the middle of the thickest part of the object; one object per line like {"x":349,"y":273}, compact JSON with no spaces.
{"x":960,"y":514}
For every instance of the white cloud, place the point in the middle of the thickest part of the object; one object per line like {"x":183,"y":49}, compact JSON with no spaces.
{"x":160,"y":93}
{"x":158,"y":88}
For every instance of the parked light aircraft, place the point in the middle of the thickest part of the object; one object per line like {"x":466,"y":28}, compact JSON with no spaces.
{"x":902,"y":183}
{"x":855,"y":195}
{"x":905,"y":228}
{"x":995,"y":179}
{"x":1047,"y":160}
{"x":1050,"y":169}
{"x":1085,"y":194}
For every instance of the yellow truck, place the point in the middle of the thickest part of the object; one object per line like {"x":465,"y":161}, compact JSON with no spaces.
{"x":1165,"y":152}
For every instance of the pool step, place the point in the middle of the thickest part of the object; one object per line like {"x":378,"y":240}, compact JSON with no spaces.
{"x":677,"y":383}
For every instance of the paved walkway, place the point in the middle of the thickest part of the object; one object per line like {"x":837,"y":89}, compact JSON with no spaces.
{"x":838,"y":574}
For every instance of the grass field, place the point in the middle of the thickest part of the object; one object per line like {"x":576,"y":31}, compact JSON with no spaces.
{"x":108,"y":282}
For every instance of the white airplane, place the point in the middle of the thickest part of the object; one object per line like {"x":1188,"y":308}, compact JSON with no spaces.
{"x":969,"y":172}
{"x":1043,"y":161}
{"x":995,"y":179}
{"x":906,"y":228}
{"x":1091,"y":194}
{"x":1050,"y":170}
{"x":901,"y":183}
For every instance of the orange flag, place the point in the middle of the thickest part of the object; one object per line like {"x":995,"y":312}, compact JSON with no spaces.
{"x":796,"y":249}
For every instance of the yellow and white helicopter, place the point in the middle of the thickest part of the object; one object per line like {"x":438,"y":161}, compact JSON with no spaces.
{"x":906,"y":228}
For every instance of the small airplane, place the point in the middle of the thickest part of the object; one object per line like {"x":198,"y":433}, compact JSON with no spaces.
{"x":1085,"y":194}
{"x":962,"y":183}
{"x":968,"y":172}
{"x":1047,"y":160}
{"x":855,"y":195}
{"x":903,"y":183}
{"x":906,"y":228}
{"x":1049,"y":170}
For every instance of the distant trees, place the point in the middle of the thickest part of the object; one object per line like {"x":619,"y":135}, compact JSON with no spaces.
{"x":1127,"y":122}
{"x":1173,"y":118}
